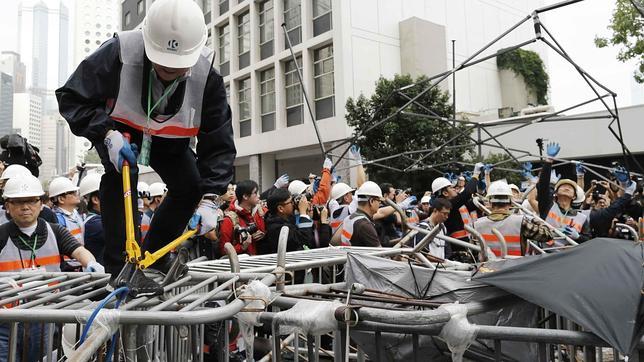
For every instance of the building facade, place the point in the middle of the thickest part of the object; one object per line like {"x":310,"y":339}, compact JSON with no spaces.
{"x":6,"y":103}
{"x":28,"y":115}
{"x":10,"y":63}
{"x":96,"y":22}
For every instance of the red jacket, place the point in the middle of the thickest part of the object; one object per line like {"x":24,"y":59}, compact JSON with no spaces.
{"x":226,"y":229}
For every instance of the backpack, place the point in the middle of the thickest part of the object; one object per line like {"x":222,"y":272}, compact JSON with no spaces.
{"x":16,"y":150}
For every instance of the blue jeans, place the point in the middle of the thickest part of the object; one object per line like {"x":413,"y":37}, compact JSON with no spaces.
{"x":36,"y":345}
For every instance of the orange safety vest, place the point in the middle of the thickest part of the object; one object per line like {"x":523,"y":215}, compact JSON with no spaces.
{"x":510,"y":228}
{"x":347,"y":228}
{"x":468,"y":219}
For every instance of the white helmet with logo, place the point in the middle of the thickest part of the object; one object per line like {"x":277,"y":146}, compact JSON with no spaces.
{"x":61,"y":185}
{"x":13,"y":171}
{"x":440,"y":183}
{"x":90,"y":183}
{"x":367,"y":190}
{"x":143,"y":189}
{"x":157,"y":189}
{"x":23,"y":186}
{"x":339,"y":190}
{"x":174,"y":32}
{"x":499,"y":191}
{"x":297,"y":187}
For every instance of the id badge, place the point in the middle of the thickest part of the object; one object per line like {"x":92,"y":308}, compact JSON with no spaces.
{"x":144,"y":156}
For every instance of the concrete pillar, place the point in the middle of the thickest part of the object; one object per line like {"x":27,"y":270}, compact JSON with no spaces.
{"x":268,"y":169}
{"x":255,"y":168}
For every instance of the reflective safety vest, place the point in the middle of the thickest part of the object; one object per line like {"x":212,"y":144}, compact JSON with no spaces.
{"x":436,"y":247}
{"x":510,"y":228}
{"x":3,"y":215}
{"x":73,"y":222}
{"x":468,"y":219}
{"x":336,"y":221}
{"x":127,"y":108}
{"x":559,"y":219}
{"x":347,"y":228}
{"x":146,"y":220}
{"x":13,"y":259}
{"x":412,"y":217}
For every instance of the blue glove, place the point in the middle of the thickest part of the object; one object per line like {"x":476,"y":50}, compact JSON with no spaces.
{"x":488,"y":167}
{"x":621,"y":174}
{"x":355,"y":154}
{"x":579,"y":168}
{"x":406,"y":203}
{"x":552,"y":149}
{"x":119,"y":150}
{"x":571,"y":232}
{"x":467,"y":175}
{"x":316,"y":185}
{"x":449,"y":176}
{"x":481,"y":185}
{"x":527,"y":166}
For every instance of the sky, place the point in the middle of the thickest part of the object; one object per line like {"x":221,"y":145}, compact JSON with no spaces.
{"x":574,"y":27}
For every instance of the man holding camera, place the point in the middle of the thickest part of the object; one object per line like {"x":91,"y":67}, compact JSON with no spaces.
{"x":243,"y":226}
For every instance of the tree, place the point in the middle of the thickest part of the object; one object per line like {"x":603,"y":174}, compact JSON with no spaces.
{"x":405,"y":132}
{"x":627,"y":27}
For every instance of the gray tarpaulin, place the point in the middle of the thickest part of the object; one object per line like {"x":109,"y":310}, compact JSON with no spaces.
{"x":598,"y":285}
{"x":447,"y":286}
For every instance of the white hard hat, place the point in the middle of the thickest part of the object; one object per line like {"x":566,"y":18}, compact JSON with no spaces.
{"x":580,"y":195}
{"x":174,"y":33}
{"x":13,"y":171}
{"x":499,"y":191}
{"x":297,"y":187}
{"x":440,"y":183}
{"x":425,"y":200}
{"x":515,"y":187}
{"x":61,"y":185}
{"x":368,"y":189}
{"x":143,"y":189}
{"x":157,"y":189}
{"x":340,"y":189}
{"x":90,"y":183}
{"x":23,"y":186}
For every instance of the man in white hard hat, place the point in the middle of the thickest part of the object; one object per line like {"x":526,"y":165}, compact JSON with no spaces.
{"x":358,"y":229}
{"x":19,"y":170}
{"x":157,"y":84}
{"x":94,"y":236}
{"x":64,"y":195}
{"x":143,"y":201}
{"x":342,"y":204}
{"x":156,"y":194}
{"x":516,"y":229}
{"x":29,"y":243}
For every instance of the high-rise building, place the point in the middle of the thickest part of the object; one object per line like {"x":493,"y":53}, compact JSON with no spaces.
{"x":6,"y":103}
{"x":27,"y":116}
{"x":96,"y":22}
{"x":10,"y":63}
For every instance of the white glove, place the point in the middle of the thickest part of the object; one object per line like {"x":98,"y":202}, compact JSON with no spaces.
{"x":206,"y":215}
{"x":327,"y":163}
{"x":630,"y":189}
{"x":94,"y":267}
{"x":119,"y":150}
{"x":406,"y":203}
{"x":554,"y":178}
{"x":281,"y":181}
{"x":355,"y":154}
{"x":477,"y":169}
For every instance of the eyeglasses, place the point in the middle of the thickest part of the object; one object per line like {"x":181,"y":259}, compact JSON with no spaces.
{"x":287,"y":202}
{"x":70,"y":193}
{"x":22,"y":202}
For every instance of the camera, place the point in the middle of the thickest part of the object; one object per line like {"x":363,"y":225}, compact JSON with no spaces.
{"x":317,"y":210}
{"x":243,"y":232}
{"x":297,"y":198}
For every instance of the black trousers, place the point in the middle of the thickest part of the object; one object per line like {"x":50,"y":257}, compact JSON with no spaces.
{"x":179,"y":172}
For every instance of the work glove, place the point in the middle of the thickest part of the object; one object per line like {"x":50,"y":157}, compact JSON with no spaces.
{"x":119,"y":150}
{"x":281,"y":181}
{"x":406,"y":203}
{"x":554,"y":178}
{"x":621,"y":174}
{"x":94,"y":267}
{"x":579,"y":168}
{"x":206,"y":215}
{"x":467,"y":175}
{"x":335,"y":178}
{"x":481,"y":186}
{"x":488,"y":167}
{"x":477,"y":169}
{"x":630,"y":188}
{"x":571,"y":232}
{"x":328,"y":164}
{"x":450,"y":176}
{"x":552,"y":149}
{"x":355,"y":154}
{"x":316,"y":185}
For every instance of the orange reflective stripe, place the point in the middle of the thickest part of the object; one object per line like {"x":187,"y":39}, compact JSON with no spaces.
{"x":17,"y":264}
{"x":459,"y":234}
{"x":346,"y":234}
{"x":335,"y":224}
{"x":168,"y":130}
{"x":75,"y":231}
{"x":145,"y":227}
{"x":508,"y":238}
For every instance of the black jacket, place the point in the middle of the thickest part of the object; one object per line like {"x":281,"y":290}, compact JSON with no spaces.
{"x":455,"y":221}
{"x":298,"y":237}
{"x":81,"y":101}
{"x":601,"y":219}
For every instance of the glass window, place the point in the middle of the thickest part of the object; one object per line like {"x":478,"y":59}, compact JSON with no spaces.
{"x":127,"y":18}
{"x":265,"y":21}
{"x":267,"y":90}
{"x":223,"y":6}
{"x":292,"y":14}
{"x":293,"y":93}
{"x":321,"y":7}
{"x":244,"y":99}
{"x":140,"y":6}
{"x":243,"y":32}
{"x":224,"y":44}
{"x":324,"y":83}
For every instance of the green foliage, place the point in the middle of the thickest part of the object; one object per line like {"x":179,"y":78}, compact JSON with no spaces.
{"x":529,"y":65}
{"x":92,"y":156}
{"x":404,"y":132}
{"x":627,"y":27}
{"x":497,"y":173}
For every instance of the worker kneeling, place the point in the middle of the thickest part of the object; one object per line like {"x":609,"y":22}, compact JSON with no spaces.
{"x":28,"y":243}
{"x":515,"y":229}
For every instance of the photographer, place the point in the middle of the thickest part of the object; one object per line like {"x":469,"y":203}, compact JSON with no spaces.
{"x":281,"y":212}
{"x":603,"y":211}
{"x":243,"y":226}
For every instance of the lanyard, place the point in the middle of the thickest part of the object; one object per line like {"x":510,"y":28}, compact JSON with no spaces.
{"x":32,"y":248}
